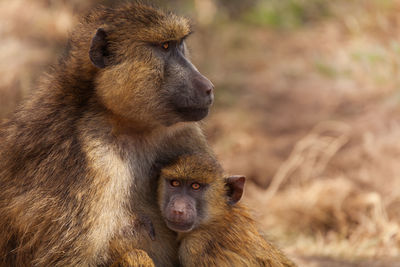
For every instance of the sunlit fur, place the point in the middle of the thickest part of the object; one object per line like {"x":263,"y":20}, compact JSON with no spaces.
{"x":75,"y":159}
{"x":227,"y":236}
{"x":134,"y":258}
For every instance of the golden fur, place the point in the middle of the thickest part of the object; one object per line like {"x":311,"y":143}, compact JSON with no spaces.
{"x":227,"y":236}
{"x":76,"y":158}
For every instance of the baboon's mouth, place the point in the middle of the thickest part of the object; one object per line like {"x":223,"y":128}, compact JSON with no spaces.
{"x":193,"y":114}
{"x":179,"y":227}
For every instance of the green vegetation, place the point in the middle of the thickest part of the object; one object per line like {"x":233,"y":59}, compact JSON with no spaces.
{"x":288,"y":14}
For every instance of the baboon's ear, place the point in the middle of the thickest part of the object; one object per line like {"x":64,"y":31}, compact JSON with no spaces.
{"x":98,"y":52}
{"x":235,"y":186}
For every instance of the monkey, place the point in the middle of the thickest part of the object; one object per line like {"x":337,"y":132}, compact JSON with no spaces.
{"x":76,"y":156}
{"x":198,"y":203}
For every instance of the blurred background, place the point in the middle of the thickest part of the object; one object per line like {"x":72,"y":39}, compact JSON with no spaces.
{"x":307,"y":107}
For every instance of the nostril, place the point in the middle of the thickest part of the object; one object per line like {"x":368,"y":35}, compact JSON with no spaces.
{"x":208,"y":87}
{"x":177,"y":212}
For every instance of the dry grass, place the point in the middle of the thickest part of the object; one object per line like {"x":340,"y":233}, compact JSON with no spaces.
{"x":310,"y":114}
{"x":314,"y":123}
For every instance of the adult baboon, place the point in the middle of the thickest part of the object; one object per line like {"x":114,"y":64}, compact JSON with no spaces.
{"x":75,"y":158}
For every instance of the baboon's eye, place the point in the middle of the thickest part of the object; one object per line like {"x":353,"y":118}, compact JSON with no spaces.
{"x":175,"y":183}
{"x":181,"y":45}
{"x":196,"y":186}
{"x":165,"y":46}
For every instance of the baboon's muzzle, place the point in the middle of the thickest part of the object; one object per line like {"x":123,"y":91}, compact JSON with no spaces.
{"x":193,"y":93}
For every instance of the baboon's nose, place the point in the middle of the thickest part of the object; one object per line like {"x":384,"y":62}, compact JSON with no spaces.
{"x":203,"y":85}
{"x":210,"y":89}
{"x":179,"y":208}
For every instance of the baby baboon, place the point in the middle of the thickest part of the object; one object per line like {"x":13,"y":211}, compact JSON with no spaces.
{"x":213,"y":229}
{"x":75,"y":159}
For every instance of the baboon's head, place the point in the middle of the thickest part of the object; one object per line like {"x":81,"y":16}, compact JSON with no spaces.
{"x":144,"y":74}
{"x":192,"y":192}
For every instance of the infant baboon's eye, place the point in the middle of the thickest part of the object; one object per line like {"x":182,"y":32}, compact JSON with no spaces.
{"x":175,"y":183}
{"x":196,"y":186}
{"x":165,"y":46}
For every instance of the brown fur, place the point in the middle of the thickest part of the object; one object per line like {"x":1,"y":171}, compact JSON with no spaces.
{"x":137,"y":257}
{"x":75,"y":158}
{"x":228,"y":236}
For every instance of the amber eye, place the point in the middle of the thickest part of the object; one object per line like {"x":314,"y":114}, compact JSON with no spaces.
{"x":175,"y":183}
{"x":196,"y":186}
{"x":165,"y":45}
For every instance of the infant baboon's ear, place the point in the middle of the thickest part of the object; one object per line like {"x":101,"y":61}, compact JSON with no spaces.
{"x":98,"y":53}
{"x":235,"y":186}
